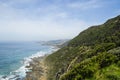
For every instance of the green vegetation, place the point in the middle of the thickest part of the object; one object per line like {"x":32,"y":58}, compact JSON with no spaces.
{"x":93,"y":55}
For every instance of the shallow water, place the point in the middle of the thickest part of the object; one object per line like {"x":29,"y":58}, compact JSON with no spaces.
{"x":14,"y":56}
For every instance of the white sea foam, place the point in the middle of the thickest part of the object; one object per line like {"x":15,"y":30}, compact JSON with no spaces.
{"x":21,"y":72}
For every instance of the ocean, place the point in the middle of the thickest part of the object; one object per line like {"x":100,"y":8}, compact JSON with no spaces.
{"x":14,"y":56}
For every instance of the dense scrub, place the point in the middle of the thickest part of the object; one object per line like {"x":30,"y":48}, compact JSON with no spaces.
{"x":93,"y":55}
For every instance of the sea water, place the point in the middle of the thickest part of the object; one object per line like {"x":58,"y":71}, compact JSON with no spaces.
{"x":14,"y":56}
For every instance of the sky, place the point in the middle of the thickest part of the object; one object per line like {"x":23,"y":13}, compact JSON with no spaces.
{"x":34,"y":20}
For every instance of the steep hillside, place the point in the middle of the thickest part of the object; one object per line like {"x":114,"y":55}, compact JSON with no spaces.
{"x":107,"y":32}
{"x":93,"y":55}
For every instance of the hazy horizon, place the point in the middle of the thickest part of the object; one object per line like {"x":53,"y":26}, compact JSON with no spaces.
{"x":39,"y":20}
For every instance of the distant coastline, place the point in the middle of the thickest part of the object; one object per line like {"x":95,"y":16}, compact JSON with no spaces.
{"x":37,"y":69}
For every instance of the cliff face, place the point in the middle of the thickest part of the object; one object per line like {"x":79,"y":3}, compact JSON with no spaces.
{"x":93,"y":55}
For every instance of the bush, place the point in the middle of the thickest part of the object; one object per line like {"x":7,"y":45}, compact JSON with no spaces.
{"x":113,"y":77}
{"x":104,"y":47}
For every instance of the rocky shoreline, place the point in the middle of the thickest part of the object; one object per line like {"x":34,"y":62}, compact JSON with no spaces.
{"x":37,"y":69}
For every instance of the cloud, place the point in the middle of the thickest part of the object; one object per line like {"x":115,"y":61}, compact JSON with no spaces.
{"x":22,"y":1}
{"x":19,"y":2}
{"x":90,"y":4}
{"x":41,"y":29}
{"x":41,"y":20}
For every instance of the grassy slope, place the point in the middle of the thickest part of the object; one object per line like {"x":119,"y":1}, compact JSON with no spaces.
{"x":93,"y":54}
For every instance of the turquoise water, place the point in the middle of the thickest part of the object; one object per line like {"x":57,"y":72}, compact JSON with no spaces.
{"x":13,"y":55}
